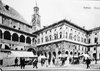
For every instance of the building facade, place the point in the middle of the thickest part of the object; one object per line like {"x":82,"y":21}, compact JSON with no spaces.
{"x":67,"y":38}
{"x":62,"y":38}
{"x":15,"y":33}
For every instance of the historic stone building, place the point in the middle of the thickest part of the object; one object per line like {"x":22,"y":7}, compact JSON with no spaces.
{"x":67,"y":38}
{"x":62,"y":37}
{"x":15,"y":33}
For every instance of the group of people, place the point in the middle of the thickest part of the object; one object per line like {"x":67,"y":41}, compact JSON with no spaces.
{"x":35,"y":62}
{"x":22,"y":62}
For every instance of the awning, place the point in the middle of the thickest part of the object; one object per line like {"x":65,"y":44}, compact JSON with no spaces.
{"x":21,"y":54}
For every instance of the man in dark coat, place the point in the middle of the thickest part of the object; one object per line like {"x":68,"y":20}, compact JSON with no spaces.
{"x":16,"y":61}
{"x":88,"y":62}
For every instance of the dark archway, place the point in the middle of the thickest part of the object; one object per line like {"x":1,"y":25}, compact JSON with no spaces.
{"x":28,"y":40}
{"x":59,"y":52}
{"x":22,"y":38}
{"x":16,"y":48}
{"x":7,"y":35}
{"x":71,"y":53}
{"x":54,"y":53}
{"x":32,"y":50}
{"x":14,"y":37}
{"x":94,"y":55}
{"x":0,"y":34}
{"x":78,"y":53}
{"x":66,"y":52}
{"x":7,"y":47}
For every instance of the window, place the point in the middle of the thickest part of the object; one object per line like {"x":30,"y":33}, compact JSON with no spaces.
{"x":74,"y":37}
{"x":88,"y":49}
{"x":50,"y":37}
{"x":84,"y":40}
{"x":60,"y":34}
{"x":70,"y":36}
{"x":95,"y":40}
{"x":46,"y":39}
{"x":81,"y":39}
{"x":55,"y":35}
{"x":95,"y":48}
{"x":66,"y":34}
{"x":88,"y":40}
{"x":78,"y":38}
{"x":42,"y":39}
{"x":14,"y":26}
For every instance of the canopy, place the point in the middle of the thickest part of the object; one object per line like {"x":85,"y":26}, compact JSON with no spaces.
{"x":21,"y":54}
{"x":62,"y":55}
{"x":85,"y":55}
{"x":42,"y":57}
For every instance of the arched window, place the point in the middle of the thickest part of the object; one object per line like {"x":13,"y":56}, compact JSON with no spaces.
{"x":81,"y":39}
{"x":95,"y":40}
{"x":7,"y":35}
{"x":22,"y":38}
{"x":60,"y":34}
{"x":14,"y":37}
{"x":46,"y":38}
{"x":50,"y":37}
{"x":88,"y":40}
{"x":54,"y":35}
{"x":42,"y":39}
{"x":66,"y":52}
{"x":16,"y":49}
{"x":71,"y":53}
{"x":66,"y":34}
{"x":74,"y":37}
{"x":0,"y":34}
{"x":70,"y":36}
{"x":78,"y":38}
{"x":28,"y":40}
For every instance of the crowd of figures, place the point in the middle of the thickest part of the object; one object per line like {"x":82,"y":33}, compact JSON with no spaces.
{"x":48,"y":61}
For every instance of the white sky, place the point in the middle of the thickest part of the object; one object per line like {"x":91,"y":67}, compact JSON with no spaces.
{"x":52,"y":11}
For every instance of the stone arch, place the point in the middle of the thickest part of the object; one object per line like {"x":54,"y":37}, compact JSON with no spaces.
{"x":32,"y":50}
{"x":28,"y":40}
{"x":22,"y":38}
{"x":7,"y":47}
{"x":71,"y":53}
{"x":7,"y":35}
{"x":59,"y":52}
{"x":94,"y":55}
{"x":0,"y":33}
{"x":66,"y":52}
{"x":75,"y":53}
{"x":78,"y":53}
{"x":15,"y":37}
{"x":54,"y":53}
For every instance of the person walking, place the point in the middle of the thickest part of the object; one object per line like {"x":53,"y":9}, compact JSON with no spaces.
{"x":16,"y":61}
{"x":35,"y":63}
{"x":21,"y":62}
{"x":88,"y":62}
